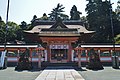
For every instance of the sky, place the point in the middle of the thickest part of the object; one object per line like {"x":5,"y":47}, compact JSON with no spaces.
{"x":24,"y":10}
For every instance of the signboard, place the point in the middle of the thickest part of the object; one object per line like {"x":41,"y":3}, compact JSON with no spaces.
{"x":59,"y":46}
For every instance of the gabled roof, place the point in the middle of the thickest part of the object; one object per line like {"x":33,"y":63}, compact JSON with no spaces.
{"x":59,"y":29}
{"x":58,"y":25}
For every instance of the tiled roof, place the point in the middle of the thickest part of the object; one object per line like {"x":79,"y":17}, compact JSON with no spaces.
{"x":59,"y":28}
{"x":81,"y":29}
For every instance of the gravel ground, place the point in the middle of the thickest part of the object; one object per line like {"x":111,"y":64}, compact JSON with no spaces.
{"x":108,"y":73}
{"x":11,"y":74}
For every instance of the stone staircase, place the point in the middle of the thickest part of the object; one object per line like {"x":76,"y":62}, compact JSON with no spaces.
{"x":59,"y":64}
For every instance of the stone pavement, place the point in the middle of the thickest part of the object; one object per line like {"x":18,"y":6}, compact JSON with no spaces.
{"x":59,"y":74}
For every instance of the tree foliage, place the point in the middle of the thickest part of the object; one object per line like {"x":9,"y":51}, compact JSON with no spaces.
{"x":23,"y":25}
{"x":10,"y":31}
{"x":2,"y":31}
{"x":34,"y":17}
{"x":117,"y":23}
{"x":117,"y":39}
{"x":99,"y":20}
{"x":44,"y":17}
{"x":118,"y":10}
{"x":58,"y":12}
{"x":75,"y":15}
{"x":0,"y":18}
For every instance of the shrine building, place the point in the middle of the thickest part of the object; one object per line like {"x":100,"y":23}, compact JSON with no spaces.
{"x":58,"y":38}
{"x":59,"y":42}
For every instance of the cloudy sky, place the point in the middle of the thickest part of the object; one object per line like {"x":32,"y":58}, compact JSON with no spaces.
{"x":23,"y":10}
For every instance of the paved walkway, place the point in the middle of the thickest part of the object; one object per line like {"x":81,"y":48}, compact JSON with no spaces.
{"x":59,"y":74}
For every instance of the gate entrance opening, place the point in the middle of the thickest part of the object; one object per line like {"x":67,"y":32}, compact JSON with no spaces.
{"x":59,"y":55}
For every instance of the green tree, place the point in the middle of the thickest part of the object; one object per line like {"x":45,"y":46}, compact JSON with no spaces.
{"x":116,"y":19}
{"x":23,"y":25}
{"x":64,"y":17}
{"x":92,"y":9}
{"x":57,"y":12}
{"x":0,"y":18}
{"x":117,"y":39}
{"x":44,"y":17}
{"x":2,"y":31}
{"x":10,"y":31}
{"x":75,"y":15}
{"x":34,"y":17}
{"x":85,"y":22}
{"x":99,"y":20}
{"x":118,"y":10}
{"x":32,"y":22}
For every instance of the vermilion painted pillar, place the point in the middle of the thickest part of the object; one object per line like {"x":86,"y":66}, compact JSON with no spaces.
{"x":111,"y":51}
{"x":86,"y":51}
{"x":48,"y":52}
{"x":18,"y":55}
{"x":31,"y":55}
{"x":70,"y":51}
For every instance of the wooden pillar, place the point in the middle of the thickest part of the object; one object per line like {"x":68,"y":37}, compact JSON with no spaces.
{"x":43,"y":55}
{"x":86,"y":51}
{"x":39,"y":58}
{"x":48,"y":52}
{"x":18,"y":55}
{"x":79,"y":58}
{"x":70,"y":51}
{"x":31,"y":55}
{"x":111,"y":51}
